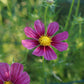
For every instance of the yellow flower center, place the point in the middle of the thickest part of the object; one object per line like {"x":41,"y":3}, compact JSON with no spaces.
{"x":8,"y":82}
{"x":45,"y":40}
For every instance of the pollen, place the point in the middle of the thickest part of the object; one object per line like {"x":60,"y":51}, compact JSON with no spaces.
{"x":45,"y":41}
{"x":8,"y":82}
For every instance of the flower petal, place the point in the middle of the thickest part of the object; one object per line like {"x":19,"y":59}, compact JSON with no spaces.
{"x":39,"y":27}
{"x":30,"y":43}
{"x":52,"y":28}
{"x":39,"y":51}
{"x":23,"y":79}
{"x":31,"y":33}
{"x":60,"y":37}
{"x":61,"y":46}
{"x":4,"y":72}
{"x":49,"y":54}
{"x":16,"y":71}
{"x":1,"y":82}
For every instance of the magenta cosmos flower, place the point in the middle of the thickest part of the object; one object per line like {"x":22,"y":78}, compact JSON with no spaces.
{"x":13,"y":74}
{"x":43,"y":41}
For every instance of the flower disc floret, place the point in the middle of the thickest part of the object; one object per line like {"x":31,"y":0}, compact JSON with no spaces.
{"x":8,"y":82}
{"x":45,"y":41}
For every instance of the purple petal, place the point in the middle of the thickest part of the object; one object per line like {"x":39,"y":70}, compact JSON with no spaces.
{"x":39,"y":51}
{"x":1,"y":82}
{"x":31,"y":33}
{"x":61,"y":46}
{"x":30,"y":43}
{"x":60,"y":37}
{"x":39,"y":27}
{"x":23,"y":79}
{"x":4,"y":72}
{"x":49,"y":54}
{"x":16,"y":71}
{"x":52,"y":28}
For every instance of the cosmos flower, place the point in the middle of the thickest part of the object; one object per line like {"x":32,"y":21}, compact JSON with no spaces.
{"x":43,"y":41}
{"x":13,"y":74}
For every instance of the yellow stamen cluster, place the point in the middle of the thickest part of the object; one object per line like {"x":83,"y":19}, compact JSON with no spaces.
{"x":45,"y":41}
{"x":8,"y":82}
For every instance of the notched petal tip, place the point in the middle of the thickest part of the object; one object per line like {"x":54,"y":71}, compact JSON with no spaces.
{"x":23,"y":42}
{"x":52,"y":28}
{"x":29,"y":32}
{"x":39,"y":51}
{"x":49,"y":54}
{"x":17,"y":64}
{"x":66,"y":45}
{"x":51,"y":59}
{"x":61,"y":46}
{"x":25,"y":29}
{"x":60,"y":36}
{"x":66,"y":34}
{"x":39,"y":27}
{"x":30,"y":43}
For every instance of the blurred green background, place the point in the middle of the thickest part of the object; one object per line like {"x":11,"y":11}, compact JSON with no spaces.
{"x":16,"y":14}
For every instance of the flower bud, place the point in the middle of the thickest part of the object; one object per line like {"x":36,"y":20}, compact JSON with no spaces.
{"x":50,"y":2}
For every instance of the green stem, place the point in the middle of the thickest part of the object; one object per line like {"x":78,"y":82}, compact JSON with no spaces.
{"x":0,"y":16}
{"x":76,"y":14}
{"x":69,"y":15}
{"x":43,"y":61}
{"x":43,"y":70}
{"x":25,"y":57}
{"x":79,"y":29}
{"x":45,"y":14}
{"x":77,"y":9}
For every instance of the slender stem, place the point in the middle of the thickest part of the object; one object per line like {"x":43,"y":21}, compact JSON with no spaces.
{"x":0,"y":16}
{"x":43,"y":70}
{"x":45,"y":14}
{"x":69,"y":15}
{"x":76,"y":14}
{"x":79,"y":29}
{"x":43,"y":61}
{"x":26,"y":56}
{"x":77,"y":9}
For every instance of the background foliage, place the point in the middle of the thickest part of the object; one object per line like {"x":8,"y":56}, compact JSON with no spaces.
{"x":16,"y":14}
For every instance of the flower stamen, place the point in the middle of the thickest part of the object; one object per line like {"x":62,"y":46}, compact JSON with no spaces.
{"x":45,"y":41}
{"x":8,"y":82}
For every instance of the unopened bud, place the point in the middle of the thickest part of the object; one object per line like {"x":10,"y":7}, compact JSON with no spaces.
{"x":50,"y":2}
{"x":79,"y":19}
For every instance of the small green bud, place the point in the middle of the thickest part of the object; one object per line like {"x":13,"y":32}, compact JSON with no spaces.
{"x":79,"y":19}
{"x":50,"y":2}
